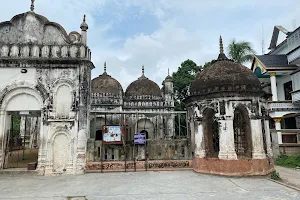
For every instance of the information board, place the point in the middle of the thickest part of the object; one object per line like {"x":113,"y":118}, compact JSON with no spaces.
{"x":112,"y":134}
{"x":139,"y":138}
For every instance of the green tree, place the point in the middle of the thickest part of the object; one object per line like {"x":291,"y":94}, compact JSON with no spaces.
{"x":240,"y":52}
{"x":184,"y":76}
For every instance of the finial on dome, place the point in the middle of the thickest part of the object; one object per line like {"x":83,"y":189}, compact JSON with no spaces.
{"x":221,"y":45}
{"x":168,"y":71}
{"x":32,"y":5}
{"x":143,"y":70}
{"x":222,"y":55}
{"x":105,"y":66}
{"x":84,"y":26}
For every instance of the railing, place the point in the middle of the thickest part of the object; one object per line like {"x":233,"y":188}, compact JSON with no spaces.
{"x":296,"y":96}
{"x":172,"y":149}
{"x":282,"y":105}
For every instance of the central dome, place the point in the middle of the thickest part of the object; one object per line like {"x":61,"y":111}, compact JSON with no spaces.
{"x":143,"y":87}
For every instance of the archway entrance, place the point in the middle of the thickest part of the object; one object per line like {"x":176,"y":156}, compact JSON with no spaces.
{"x":20,"y":123}
{"x":22,"y":139}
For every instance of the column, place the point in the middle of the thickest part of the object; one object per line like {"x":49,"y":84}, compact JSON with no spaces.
{"x":2,"y":135}
{"x":268,"y":138}
{"x":273,"y":86}
{"x":22,"y":127}
{"x":257,"y":139}
{"x":199,"y":140}
{"x":278,"y":127}
{"x":226,"y":134}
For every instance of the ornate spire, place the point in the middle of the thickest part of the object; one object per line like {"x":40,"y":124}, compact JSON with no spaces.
{"x":32,"y":5}
{"x":84,"y":26}
{"x":168,"y":71}
{"x":143,"y":73}
{"x":105,"y":66}
{"x":222,"y":56}
{"x":221,"y":45}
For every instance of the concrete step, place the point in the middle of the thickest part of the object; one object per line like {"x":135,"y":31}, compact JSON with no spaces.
{"x":18,"y":171}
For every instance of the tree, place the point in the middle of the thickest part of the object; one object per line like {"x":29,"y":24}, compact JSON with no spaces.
{"x":240,"y":52}
{"x":182,"y":79}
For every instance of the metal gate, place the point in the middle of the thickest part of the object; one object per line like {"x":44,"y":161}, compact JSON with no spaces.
{"x":163,"y":148}
{"x":21,"y":142}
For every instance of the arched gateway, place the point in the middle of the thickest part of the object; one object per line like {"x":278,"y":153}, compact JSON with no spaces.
{"x":45,"y":78}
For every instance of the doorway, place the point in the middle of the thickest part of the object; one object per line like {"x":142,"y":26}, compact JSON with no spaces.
{"x":22,"y":139}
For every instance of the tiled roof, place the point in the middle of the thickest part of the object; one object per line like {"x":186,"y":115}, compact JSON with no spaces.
{"x":273,"y":60}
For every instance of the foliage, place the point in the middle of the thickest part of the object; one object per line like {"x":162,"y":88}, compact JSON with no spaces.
{"x":184,"y":76}
{"x":240,"y":52}
{"x":288,"y":161}
{"x":275,"y":176}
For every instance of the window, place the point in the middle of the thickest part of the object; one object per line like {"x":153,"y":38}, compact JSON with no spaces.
{"x":289,"y":138}
{"x":288,"y":88}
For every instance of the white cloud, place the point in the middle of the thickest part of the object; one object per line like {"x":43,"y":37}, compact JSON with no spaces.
{"x":186,"y":29}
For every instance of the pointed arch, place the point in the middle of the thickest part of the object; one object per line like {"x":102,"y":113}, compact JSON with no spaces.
{"x":242,"y":132}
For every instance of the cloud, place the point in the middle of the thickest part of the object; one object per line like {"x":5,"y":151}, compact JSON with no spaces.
{"x":161,"y":34}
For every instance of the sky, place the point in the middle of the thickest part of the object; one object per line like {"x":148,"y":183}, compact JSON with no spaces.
{"x":161,"y":34}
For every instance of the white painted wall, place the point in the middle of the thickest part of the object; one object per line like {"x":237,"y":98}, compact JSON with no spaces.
{"x":296,"y":81}
{"x":8,"y":75}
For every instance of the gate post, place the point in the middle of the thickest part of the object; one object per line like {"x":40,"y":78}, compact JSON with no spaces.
{"x":2,"y":138}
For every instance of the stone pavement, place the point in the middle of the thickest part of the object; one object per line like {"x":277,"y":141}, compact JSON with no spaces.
{"x":289,"y":176}
{"x":141,"y":185}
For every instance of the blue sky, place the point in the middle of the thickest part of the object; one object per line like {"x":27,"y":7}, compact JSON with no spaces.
{"x":161,"y":34}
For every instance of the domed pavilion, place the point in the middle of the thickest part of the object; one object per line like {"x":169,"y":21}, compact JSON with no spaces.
{"x":228,"y":119}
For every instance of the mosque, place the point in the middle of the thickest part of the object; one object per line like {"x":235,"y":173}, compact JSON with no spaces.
{"x":45,"y":74}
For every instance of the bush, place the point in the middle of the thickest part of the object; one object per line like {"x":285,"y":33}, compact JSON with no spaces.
{"x":275,"y":176}
{"x":288,"y":161}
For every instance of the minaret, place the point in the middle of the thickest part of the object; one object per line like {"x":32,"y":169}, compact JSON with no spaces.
{"x":84,"y":27}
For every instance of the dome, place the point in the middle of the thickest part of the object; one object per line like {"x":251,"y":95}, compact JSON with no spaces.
{"x":143,"y":87}
{"x":223,"y":77}
{"x":106,"y":84}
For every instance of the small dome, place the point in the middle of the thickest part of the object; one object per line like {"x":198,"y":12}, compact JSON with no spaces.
{"x":106,"y":84}
{"x":143,"y":87}
{"x":225,"y":76}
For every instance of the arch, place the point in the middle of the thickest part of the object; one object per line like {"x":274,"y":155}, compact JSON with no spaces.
{"x":242,"y":132}
{"x":145,"y":125}
{"x":63,"y":100}
{"x":210,"y":133}
{"x":31,"y":100}
{"x":96,"y":125}
{"x":59,"y":150}
{"x":36,"y":89}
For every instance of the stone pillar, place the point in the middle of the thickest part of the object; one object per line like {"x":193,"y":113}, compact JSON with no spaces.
{"x":170,"y":125}
{"x":22,"y":127}
{"x":278,"y":127}
{"x":268,"y":138}
{"x":199,"y":139}
{"x":257,"y":139}
{"x":273,"y":86}
{"x":2,"y":136}
{"x":226,"y":134}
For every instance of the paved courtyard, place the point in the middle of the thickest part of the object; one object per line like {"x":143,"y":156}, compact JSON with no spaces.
{"x":142,"y":185}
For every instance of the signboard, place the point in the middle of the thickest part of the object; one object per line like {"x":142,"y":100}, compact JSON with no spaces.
{"x":112,"y":134}
{"x":139,"y":138}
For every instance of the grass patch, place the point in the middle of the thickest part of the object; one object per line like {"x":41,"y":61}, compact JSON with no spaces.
{"x":275,"y":176}
{"x":288,"y":161}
